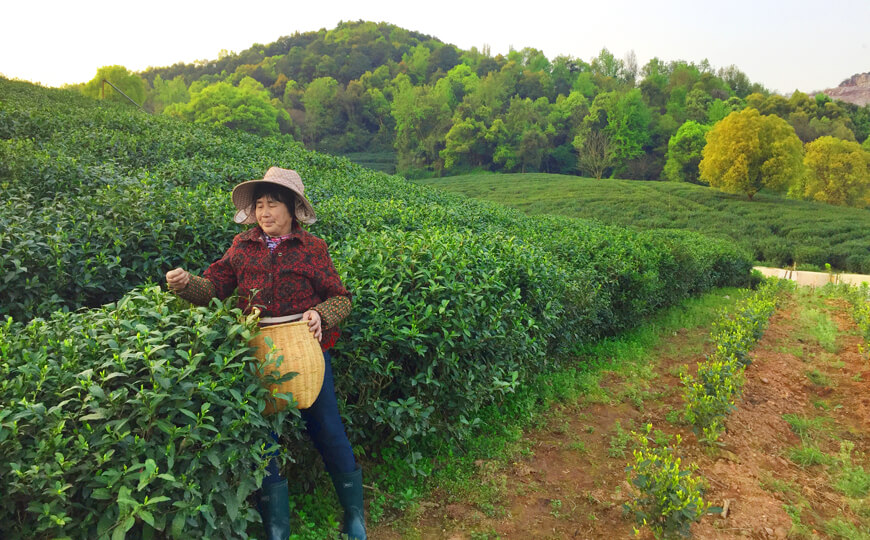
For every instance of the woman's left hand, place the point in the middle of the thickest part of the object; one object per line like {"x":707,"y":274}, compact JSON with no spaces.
{"x":314,"y":324}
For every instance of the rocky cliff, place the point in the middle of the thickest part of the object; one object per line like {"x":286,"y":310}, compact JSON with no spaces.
{"x":855,"y":89}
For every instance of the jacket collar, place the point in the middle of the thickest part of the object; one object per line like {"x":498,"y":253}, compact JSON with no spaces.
{"x":255,"y":234}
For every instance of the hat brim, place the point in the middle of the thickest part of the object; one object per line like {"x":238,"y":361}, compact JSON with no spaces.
{"x":243,"y":200}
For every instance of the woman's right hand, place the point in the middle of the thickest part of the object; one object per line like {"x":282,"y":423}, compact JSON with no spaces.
{"x":177,"y":279}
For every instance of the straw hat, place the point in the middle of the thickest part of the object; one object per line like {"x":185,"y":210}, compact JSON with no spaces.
{"x":243,"y":195}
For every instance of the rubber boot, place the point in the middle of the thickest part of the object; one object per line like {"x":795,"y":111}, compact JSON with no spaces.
{"x":274,"y":506}
{"x":349,"y":488}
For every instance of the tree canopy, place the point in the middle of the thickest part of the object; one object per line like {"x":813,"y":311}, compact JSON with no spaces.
{"x":748,"y":151}
{"x":246,"y":107}
{"x":377,"y":88}
{"x":684,"y":152}
{"x":129,"y":83}
{"x":837,"y":172}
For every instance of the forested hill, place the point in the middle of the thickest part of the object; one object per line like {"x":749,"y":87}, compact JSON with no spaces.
{"x":431,"y":108}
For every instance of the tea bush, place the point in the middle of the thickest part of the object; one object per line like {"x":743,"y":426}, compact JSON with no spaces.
{"x":456,"y":302}
{"x":138,"y":417}
{"x":859,"y":297}
{"x":669,"y":498}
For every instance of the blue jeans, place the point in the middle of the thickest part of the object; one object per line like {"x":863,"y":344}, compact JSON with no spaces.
{"x":326,"y":429}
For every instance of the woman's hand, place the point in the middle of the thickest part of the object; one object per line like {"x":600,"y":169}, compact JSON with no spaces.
{"x":314,"y":324}
{"x":177,"y":279}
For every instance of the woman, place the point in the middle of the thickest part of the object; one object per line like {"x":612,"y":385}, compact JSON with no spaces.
{"x":285,"y":271}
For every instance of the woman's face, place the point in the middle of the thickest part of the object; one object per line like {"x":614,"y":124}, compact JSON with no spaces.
{"x":273,"y":216}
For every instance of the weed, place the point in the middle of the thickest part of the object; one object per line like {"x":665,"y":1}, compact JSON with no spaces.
{"x":578,"y":446}
{"x":798,"y":529}
{"x":854,"y":482}
{"x":490,"y":534}
{"x":807,"y":456}
{"x":820,"y":326}
{"x":840,"y":528}
{"x":618,"y":441}
{"x":775,"y":485}
{"x":806,"y":427}
{"x":818,"y":378}
{"x":673,"y":417}
{"x":556,"y":508}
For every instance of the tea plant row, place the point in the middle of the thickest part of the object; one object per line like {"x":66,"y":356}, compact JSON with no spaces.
{"x":710,"y":395}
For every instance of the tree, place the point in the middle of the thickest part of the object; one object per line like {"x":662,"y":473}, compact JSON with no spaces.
{"x":129,"y":83}
{"x":684,"y":152}
{"x":247,"y":107}
{"x":746,"y":152}
{"x":628,"y":124}
{"x":595,"y":153}
{"x":837,"y":172}
{"x":320,"y":103}
{"x":165,"y":93}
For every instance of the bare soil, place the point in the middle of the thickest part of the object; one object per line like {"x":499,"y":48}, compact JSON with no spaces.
{"x":570,"y":482}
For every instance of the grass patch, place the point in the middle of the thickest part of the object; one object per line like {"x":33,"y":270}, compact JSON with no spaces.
{"x":818,"y":378}
{"x":807,"y":427}
{"x":853,"y":482}
{"x":819,"y":325}
{"x":618,"y":441}
{"x":808,"y":455}
{"x":840,"y":528}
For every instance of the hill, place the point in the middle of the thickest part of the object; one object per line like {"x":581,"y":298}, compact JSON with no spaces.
{"x":855,"y":90}
{"x":779,"y":232}
{"x":409,"y":102}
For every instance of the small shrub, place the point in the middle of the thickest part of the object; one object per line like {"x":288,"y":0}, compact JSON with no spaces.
{"x":669,"y":498}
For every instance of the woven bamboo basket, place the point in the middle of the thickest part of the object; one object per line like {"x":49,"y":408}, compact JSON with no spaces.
{"x":301,"y":354}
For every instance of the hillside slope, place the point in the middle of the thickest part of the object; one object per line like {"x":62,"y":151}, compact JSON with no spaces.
{"x":777,"y":231}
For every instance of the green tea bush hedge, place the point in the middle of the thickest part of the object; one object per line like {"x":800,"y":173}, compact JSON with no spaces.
{"x":456,"y":301}
{"x":776,"y":231}
{"x":450,"y":322}
{"x":138,"y":417}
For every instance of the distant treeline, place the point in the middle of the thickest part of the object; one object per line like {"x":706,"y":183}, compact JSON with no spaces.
{"x":374,"y":88}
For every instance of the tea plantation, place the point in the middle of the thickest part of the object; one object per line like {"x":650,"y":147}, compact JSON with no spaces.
{"x":124,"y":410}
{"x":776,"y":231}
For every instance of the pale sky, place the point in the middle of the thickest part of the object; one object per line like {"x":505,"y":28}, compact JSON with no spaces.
{"x":784,"y":45}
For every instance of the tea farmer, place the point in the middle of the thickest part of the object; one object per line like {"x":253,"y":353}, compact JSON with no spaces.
{"x":285,"y":270}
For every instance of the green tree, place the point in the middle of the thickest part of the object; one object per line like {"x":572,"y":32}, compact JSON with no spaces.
{"x":129,"y":83}
{"x":746,"y":152}
{"x":320,"y":103}
{"x":247,"y":107}
{"x":684,"y":152}
{"x":837,"y":172}
{"x":165,"y":93}
{"x":422,"y":117}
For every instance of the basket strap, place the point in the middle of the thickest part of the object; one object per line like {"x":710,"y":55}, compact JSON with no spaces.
{"x":277,"y":320}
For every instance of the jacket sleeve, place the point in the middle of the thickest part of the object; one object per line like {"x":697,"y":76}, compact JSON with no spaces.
{"x":198,"y":291}
{"x":328,"y":285}
{"x":222,"y":274}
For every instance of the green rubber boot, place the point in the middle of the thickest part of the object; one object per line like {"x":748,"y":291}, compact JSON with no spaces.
{"x":274,"y":506}
{"x":349,"y":488}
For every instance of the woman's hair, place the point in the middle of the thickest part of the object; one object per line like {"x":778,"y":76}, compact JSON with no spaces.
{"x":276,"y":193}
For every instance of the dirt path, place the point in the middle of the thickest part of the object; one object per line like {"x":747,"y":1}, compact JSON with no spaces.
{"x":568,"y":480}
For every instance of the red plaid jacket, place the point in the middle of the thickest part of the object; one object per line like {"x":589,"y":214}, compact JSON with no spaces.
{"x":297,"y":276}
